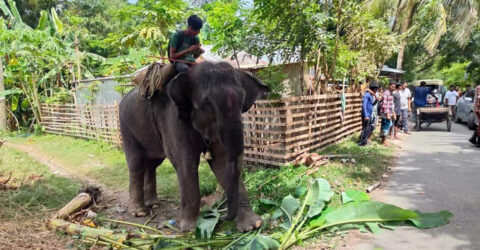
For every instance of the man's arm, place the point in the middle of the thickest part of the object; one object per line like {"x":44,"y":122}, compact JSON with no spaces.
{"x":365,"y":101}
{"x":174,"y":55}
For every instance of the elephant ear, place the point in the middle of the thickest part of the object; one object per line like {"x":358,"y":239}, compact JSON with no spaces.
{"x":179,"y":92}
{"x":254,"y":90}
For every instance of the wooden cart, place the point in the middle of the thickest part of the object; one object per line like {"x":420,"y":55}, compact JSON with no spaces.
{"x":434,"y":115}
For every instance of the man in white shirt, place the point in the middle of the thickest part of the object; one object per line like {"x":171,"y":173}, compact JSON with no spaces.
{"x":451,"y":98}
{"x":405,"y":106}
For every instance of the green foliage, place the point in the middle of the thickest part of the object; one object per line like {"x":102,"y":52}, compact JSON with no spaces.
{"x":354,"y":196}
{"x":207,"y":220}
{"x":61,"y":96}
{"x":274,"y":78}
{"x":226,"y":20}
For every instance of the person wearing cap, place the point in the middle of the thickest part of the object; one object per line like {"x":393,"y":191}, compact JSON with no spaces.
{"x":368,"y":102}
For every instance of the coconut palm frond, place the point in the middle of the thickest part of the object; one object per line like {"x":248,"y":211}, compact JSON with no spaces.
{"x":464,"y":16}
{"x":439,"y":29}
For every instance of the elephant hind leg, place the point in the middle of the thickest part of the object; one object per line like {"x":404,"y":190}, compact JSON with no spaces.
{"x":135,"y":155}
{"x":136,"y":187}
{"x":150,"y":183}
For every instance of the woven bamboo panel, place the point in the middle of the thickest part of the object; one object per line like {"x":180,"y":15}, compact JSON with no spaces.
{"x":97,"y":122}
{"x":276,"y":131}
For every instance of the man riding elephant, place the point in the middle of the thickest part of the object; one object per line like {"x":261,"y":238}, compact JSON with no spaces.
{"x":196,"y":111}
{"x":184,"y":45}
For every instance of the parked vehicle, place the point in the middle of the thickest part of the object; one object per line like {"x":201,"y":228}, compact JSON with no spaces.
{"x":464,"y":110}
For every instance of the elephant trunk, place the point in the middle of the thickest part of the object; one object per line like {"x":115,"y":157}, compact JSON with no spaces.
{"x":232,"y":137}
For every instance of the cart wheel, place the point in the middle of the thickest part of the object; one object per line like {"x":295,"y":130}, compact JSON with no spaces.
{"x":449,"y":123}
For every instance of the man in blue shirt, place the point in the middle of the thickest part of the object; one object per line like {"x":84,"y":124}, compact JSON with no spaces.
{"x":368,"y":102}
{"x":420,"y":97}
{"x":421,"y":94}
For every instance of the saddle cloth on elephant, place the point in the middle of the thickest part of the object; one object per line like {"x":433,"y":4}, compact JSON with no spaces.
{"x":153,"y":78}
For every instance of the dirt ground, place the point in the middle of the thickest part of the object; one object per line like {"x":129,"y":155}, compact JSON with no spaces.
{"x":32,"y":234}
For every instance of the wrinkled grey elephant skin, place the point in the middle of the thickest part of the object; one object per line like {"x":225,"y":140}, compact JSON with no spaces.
{"x":197,"y":111}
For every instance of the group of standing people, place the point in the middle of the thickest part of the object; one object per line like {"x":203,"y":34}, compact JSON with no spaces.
{"x":393,"y":106}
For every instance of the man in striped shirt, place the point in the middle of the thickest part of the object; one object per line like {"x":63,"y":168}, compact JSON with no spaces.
{"x":386,"y":112}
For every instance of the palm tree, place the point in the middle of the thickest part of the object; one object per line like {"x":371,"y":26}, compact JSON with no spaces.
{"x":460,"y":14}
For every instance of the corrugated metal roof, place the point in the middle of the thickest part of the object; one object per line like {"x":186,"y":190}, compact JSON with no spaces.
{"x":385,"y":68}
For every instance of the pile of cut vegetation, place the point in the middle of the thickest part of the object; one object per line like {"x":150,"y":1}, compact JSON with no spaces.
{"x":302,"y":215}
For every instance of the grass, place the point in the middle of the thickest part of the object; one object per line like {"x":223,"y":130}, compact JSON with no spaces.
{"x":35,"y":197}
{"x":23,"y":210}
{"x":276,"y":183}
{"x":107,"y":164}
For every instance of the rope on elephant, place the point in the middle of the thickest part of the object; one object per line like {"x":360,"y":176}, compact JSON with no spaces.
{"x":153,"y":78}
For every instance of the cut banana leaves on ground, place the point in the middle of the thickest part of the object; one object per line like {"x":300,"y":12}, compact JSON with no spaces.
{"x":298,"y":217}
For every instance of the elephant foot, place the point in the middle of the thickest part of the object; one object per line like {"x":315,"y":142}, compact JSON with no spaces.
{"x":247,"y":220}
{"x":153,"y":203}
{"x":138,"y":211}
{"x":186,"y":225}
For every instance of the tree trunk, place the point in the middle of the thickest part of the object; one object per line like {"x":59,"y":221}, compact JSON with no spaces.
{"x":302,"y":75}
{"x":77,"y":57}
{"x":337,"y":38}
{"x":405,"y":26}
{"x":3,"y":108}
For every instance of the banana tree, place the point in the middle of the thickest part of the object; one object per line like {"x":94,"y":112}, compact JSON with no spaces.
{"x":37,"y":60}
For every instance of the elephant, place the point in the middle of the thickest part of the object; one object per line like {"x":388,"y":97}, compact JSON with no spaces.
{"x":197,"y":111}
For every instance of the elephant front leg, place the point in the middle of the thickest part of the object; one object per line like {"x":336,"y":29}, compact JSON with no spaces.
{"x":246,"y":219}
{"x":189,"y":194}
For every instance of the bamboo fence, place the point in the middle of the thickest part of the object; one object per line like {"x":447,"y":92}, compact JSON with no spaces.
{"x":276,"y":131}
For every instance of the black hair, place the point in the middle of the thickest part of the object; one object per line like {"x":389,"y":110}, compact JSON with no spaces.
{"x":373,"y":86}
{"x":195,"y":22}
{"x":423,"y":83}
{"x":398,"y":85}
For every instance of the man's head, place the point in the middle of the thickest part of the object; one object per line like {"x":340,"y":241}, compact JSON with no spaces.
{"x":391,"y":86}
{"x":195,"y":24}
{"x":452,"y":87}
{"x":423,"y":84}
{"x":398,"y":86}
{"x":404,"y":85}
{"x":373,"y":87}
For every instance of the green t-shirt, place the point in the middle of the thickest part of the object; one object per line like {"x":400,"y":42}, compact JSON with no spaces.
{"x":187,"y":42}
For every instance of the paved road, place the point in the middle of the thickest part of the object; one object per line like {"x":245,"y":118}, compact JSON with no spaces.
{"x":436,"y":170}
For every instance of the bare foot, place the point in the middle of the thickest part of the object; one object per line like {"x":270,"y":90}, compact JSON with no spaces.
{"x":385,"y":144}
